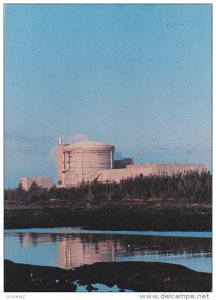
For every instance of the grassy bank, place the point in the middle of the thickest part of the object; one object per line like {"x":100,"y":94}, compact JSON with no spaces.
{"x":128,"y":215}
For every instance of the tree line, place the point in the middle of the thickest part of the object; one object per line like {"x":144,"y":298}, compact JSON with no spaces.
{"x":192,"y":186}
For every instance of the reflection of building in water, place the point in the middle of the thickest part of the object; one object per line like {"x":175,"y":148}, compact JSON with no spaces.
{"x":75,"y":249}
{"x":25,"y":239}
{"x":76,"y":252}
{"x":28,"y":238}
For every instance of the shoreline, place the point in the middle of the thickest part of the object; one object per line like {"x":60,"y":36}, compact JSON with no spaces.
{"x":131,"y":276}
{"x":111,"y":217}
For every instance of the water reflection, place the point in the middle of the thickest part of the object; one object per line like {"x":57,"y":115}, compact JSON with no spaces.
{"x":69,"y":250}
{"x":35,"y":239}
{"x":74,"y":251}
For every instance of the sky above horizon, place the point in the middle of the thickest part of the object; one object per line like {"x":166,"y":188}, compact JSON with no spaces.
{"x":134,"y":76}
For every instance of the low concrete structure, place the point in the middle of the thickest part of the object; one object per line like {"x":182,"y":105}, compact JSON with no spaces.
{"x":158,"y":169}
{"x":122,"y":163}
{"x":44,"y":182}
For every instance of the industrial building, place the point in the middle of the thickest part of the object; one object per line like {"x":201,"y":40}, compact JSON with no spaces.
{"x":44,"y":182}
{"x":81,"y":161}
{"x":88,"y":161}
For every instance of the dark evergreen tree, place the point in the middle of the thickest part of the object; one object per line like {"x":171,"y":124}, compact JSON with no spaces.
{"x":20,"y":193}
{"x":33,"y":193}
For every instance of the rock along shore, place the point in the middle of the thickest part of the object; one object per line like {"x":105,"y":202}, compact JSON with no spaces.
{"x":134,"y":276}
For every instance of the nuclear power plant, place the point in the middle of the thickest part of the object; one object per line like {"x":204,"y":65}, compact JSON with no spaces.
{"x":90,"y":161}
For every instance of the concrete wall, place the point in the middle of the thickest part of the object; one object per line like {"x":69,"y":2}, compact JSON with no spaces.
{"x":132,"y":171}
{"x":81,"y":161}
{"x":83,"y":165}
{"x":169,"y":169}
{"x":44,"y":182}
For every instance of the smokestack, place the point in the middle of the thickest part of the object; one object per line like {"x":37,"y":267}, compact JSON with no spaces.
{"x":60,"y":161}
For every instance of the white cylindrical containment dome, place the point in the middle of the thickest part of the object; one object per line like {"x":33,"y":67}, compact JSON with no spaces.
{"x":83,"y":160}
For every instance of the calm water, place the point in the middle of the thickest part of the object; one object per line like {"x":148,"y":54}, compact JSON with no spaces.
{"x":72,"y":247}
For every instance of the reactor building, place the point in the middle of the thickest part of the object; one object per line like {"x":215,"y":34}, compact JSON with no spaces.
{"x":89,"y":161}
{"x":81,"y":161}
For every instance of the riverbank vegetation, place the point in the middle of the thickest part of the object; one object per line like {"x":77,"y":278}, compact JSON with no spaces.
{"x":192,"y":186}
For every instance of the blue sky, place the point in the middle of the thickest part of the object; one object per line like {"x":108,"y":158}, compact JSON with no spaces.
{"x":135,"y":76}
